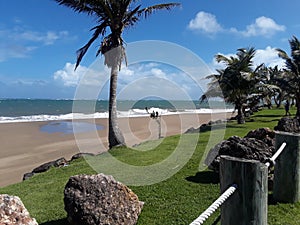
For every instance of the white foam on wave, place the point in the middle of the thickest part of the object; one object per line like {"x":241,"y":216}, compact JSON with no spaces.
{"x":99,"y":115}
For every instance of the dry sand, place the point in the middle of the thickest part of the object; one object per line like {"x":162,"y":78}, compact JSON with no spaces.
{"x":24,"y":146}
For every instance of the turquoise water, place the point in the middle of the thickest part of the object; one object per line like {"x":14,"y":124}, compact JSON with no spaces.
{"x":28,"y":107}
{"x":60,"y":113}
{"x":26,"y":110}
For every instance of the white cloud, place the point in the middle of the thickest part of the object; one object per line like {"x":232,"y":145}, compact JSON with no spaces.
{"x":205,"y":22}
{"x":14,"y":51}
{"x":158,"y":73}
{"x":29,"y":82}
{"x":68,"y":76}
{"x":155,"y":79}
{"x":163,"y":88}
{"x":83,"y":76}
{"x":269,"y":57}
{"x":18,"y":42}
{"x":263,"y":26}
{"x":125,"y":71}
{"x":136,"y":81}
{"x":47,"y":38}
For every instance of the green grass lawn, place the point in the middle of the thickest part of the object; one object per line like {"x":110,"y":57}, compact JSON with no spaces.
{"x":177,"y":200}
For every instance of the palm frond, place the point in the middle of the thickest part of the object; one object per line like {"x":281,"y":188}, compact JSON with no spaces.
{"x":221,"y":58}
{"x":211,"y":93}
{"x":99,"y":30}
{"x":282,"y":54}
{"x":104,"y":10}
{"x":213,"y":76}
{"x":151,"y":9}
{"x":294,"y":43}
{"x":115,"y":14}
{"x":259,"y":67}
{"x":77,"y":5}
{"x":130,"y":18}
{"x":272,"y":87}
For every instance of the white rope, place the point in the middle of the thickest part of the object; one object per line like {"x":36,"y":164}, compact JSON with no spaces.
{"x":213,"y":207}
{"x":274,"y":157}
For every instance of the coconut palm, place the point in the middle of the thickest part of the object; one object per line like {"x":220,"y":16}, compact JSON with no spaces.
{"x":291,"y":76}
{"x":235,"y":82}
{"x":276,"y":78}
{"x":113,"y":17}
{"x":267,"y":87}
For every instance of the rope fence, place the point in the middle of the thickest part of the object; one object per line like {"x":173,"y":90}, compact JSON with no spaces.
{"x":216,"y":204}
{"x":277,"y":153}
{"x":213,"y":207}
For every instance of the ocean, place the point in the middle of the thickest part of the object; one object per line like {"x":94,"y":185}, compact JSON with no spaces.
{"x":28,"y":110}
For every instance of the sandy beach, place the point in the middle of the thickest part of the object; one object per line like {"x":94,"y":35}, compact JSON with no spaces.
{"x":24,"y":146}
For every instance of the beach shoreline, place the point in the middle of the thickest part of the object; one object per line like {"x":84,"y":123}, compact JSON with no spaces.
{"x":24,"y":146}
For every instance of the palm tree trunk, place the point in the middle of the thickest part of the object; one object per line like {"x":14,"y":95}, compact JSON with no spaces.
{"x":115,"y":136}
{"x":240,"y":116}
{"x":278,"y":100}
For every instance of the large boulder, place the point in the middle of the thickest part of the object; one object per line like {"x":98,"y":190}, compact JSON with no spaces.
{"x":256,"y":145}
{"x":100,"y":199}
{"x":13,"y":211}
{"x":288,"y":124}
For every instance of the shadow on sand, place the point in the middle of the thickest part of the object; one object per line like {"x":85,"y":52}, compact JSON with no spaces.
{"x":205,"y":177}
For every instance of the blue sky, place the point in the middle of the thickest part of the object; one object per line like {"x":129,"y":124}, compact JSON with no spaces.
{"x":39,"y":39}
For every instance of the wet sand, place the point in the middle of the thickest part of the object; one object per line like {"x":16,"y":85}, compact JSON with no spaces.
{"x":24,"y":146}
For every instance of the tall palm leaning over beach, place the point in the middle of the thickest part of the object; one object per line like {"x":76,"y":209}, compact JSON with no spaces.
{"x":291,"y":75}
{"x":116,"y":16}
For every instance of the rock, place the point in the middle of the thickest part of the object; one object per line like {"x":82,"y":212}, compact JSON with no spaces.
{"x":205,"y":127}
{"x":100,"y":199}
{"x":13,"y":212}
{"x":80,"y":155}
{"x":26,"y":176}
{"x":192,"y":130}
{"x":218,"y":124}
{"x":43,"y":168}
{"x":288,"y":124}
{"x":46,"y":166}
{"x":212,"y":155}
{"x":60,"y":162}
{"x":247,"y":148}
{"x":265,"y":134}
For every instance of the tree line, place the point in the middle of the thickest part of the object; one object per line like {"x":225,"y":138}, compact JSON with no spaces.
{"x":246,"y":86}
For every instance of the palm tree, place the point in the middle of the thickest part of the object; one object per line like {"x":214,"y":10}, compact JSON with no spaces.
{"x":116,"y":16}
{"x":278,"y":79}
{"x":291,"y":76}
{"x":275,"y":75}
{"x":235,"y":82}
{"x":267,"y":86}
